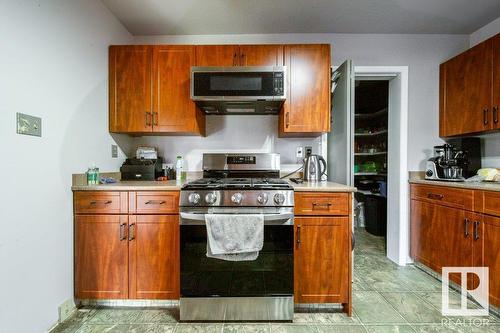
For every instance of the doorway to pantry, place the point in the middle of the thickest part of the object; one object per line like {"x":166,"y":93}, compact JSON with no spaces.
{"x":370,"y":157}
{"x":339,"y":145}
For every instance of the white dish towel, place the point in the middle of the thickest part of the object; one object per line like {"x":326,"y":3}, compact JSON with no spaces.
{"x":234,"y":237}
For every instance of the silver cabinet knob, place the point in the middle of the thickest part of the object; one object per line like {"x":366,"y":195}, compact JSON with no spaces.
{"x":194,"y":198}
{"x":262,"y":198}
{"x":279,"y":198}
{"x":237,"y":198}
{"x":210,"y":198}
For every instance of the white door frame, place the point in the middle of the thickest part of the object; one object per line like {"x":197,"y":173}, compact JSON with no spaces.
{"x":398,"y":245}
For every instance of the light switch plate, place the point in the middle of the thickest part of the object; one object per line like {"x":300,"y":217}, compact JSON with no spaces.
{"x":114,"y":151}
{"x":28,"y":125}
{"x":300,"y":152}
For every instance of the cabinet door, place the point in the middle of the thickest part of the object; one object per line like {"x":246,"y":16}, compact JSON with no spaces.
{"x":322,"y":259}
{"x":465,"y":92}
{"x":154,"y":257}
{"x":486,"y":245}
{"x":440,"y":236}
{"x":173,"y":109}
{"x":101,"y":257}
{"x":261,"y":55}
{"x":496,"y":82}
{"x":306,"y":111}
{"x":130,"y":89}
{"x":217,"y":55}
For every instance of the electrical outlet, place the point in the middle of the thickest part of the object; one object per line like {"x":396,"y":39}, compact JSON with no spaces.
{"x":28,"y":125}
{"x":66,"y":310}
{"x":114,"y":151}
{"x":309,"y":151}
{"x":300,"y":152}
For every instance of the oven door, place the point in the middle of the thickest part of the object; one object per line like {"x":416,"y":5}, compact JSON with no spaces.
{"x":271,"y":274}
{"x":238,"y":83}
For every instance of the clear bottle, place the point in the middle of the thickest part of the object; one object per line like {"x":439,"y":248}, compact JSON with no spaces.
{"x":97,"y":179}
{"x":90,"y":176}
{"x":178,"y":168}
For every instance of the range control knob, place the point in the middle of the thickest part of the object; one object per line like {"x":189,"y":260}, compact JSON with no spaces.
{"x":237,"y":198}
{"x":262,"y":198}
{"x":210,"y":198}
{"x":194,"y":198}
{"x":279,"y":198}
{"x":429,"y":173}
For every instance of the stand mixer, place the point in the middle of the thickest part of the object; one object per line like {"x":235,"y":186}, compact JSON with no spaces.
{"x":448,"y":164}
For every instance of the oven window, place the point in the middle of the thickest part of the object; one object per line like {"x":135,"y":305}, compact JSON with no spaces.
{"x":224,"y":83}
{"x":234,"y":84}
{"x":270,"y":275}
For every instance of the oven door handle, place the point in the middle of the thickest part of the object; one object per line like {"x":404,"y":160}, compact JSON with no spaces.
{"x":199,"y":218}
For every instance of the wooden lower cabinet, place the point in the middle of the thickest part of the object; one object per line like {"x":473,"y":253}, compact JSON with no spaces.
{"x":321,"y":259}
{"x":101,"y":257}
{"x":443,"y":236}
{"x":486,"y":250}
{"x":154,"y":257}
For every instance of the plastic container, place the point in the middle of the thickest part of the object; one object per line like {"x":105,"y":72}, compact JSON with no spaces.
{"x":179,"y":164}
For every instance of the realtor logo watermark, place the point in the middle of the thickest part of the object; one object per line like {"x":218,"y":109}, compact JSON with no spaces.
{"x":480,"y":294}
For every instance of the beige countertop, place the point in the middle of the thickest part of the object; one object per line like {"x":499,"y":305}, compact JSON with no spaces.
{"x":79,"y":184}
{"x":418,"y":178}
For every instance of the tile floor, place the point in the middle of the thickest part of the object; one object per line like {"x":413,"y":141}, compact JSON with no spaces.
{"x":387,"y":298}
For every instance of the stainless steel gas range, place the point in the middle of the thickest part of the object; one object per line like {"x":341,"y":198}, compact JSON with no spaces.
{"x":259,"y":290}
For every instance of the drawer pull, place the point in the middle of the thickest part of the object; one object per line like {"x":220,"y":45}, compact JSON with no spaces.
{"x":495,"y":114}
{"x":466,"y":227}
{"x":476,"y":230}
{"x":435,"y":196}
{"x":107,"y":202}
{"x":326,"y":204}
{"x":155,"y":202}
{"x":122,"y":232}
{"x":131,"y":232}
{"x":485,"y":116}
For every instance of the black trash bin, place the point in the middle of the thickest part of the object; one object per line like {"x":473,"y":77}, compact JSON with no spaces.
{"x":376,"y":214}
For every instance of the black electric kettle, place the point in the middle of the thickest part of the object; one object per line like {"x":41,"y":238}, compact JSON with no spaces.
{"x":314,"y":168}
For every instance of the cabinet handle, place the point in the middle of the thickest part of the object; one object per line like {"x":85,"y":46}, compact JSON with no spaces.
{"x":155,"y":202}
{"x":287,"y":119}
{"x":495,"y":114}
{"x":155,"y":118}
{"x":485,"y":116}
{"x":476,"y":230}
{"x":242,"y":59}
{"x":131,"y":232}
{"x":95,"y":202}
{"x":122,"y":232}
{"x":327,"y":204}
{"x":298,"y":235}
{"x":148,"y":119}
{"x":235,"y":59}
{"x":435,"y":196}
{"x":466,"y":227}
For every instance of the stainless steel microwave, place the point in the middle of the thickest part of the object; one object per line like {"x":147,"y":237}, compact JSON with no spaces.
{"x":239,"y":90}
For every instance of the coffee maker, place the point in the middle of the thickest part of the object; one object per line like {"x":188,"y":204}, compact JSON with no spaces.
{"x":447,"y":164}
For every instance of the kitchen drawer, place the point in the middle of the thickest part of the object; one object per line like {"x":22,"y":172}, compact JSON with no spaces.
{"x":487,"y":202}
{"x":100,"y":202}
{"x":321,"y":203}
{"x":441,"y":195}
{"x":155,"y":202}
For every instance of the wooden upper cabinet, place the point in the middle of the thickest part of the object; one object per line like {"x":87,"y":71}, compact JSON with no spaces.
{"x":496,"y":82}
{"x":173,"y":109}
{"x":261,"y":55}
{"x":217,"y":55}
{"x":101,"y":257}
{"x":306,"y":111}
{"x":321,"y":258}
{"x":154,"y":257}
{"x":466,"y":92}
{"x":130,"y":89}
